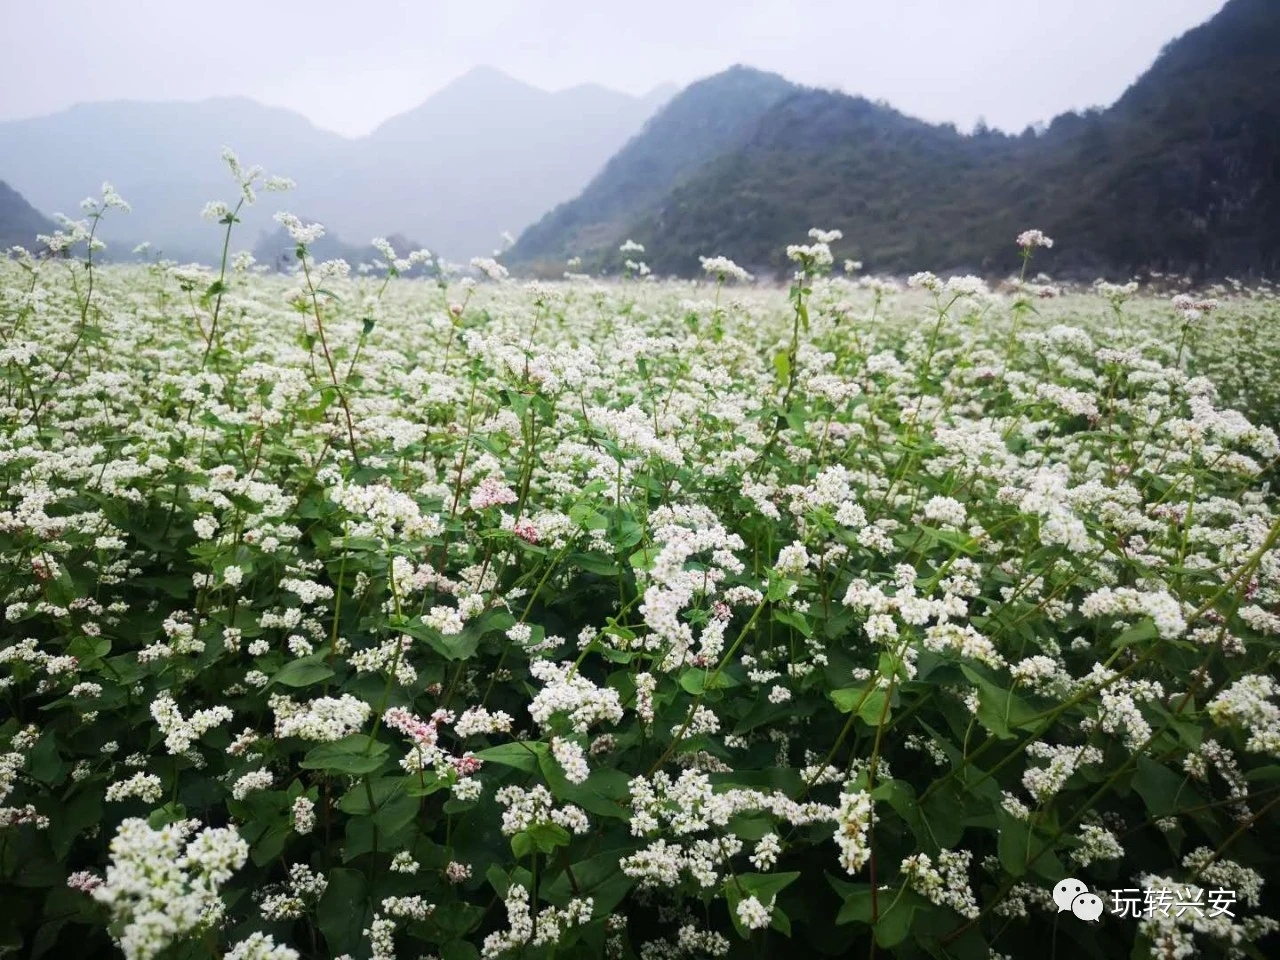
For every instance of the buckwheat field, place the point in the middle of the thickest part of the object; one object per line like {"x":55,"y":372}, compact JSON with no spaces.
{"x":373,"y":615}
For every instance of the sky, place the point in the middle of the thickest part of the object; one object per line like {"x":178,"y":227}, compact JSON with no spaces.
{"x":348,"y":66}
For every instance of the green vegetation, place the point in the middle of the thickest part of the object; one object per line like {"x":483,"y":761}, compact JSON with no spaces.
{"x":374,"y":617}
{"x":1182,"y":174}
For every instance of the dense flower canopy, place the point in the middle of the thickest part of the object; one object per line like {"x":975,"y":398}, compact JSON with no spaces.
{"x":370,"y":616}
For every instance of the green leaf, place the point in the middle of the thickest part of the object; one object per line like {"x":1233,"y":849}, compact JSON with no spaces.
{"x":597,"y":877}
{"x":522,"y":844}
{"x":458,"y":950}
{"x":779,"y":589}
{"x":355,"y":755}
{"x":782,"y":367}
{"x":872,"y":706}
{"x":697,"y":680}
{"x":302,"y":672}
{"x":1160,"y":787}
{"x":343,"y":912}
{"x":169,"y":813}
{"x":457,"y":647}
{"x":794,"y":619}
{"x":1139,"y":633}
{"x":548,"y":836}
{"x":523,"y":755}
{"x":999,"y":710}
{"x":1011,"y":842}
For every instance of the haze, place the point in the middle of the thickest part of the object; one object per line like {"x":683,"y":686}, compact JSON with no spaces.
{"x":349,"y":67}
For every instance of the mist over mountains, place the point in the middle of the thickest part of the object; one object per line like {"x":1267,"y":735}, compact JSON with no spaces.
{"x":484,"y":155}
{"x":1181,"y":174}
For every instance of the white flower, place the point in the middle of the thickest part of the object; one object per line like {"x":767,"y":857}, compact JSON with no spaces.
{"x":1029,"y":239}
{"x":572,"y":759}
{"x":305,"y":234}
{"x":162,"y":884}
{"x":724,"y":269}
{"x":754,"y":915}
{"x":261,"y":946}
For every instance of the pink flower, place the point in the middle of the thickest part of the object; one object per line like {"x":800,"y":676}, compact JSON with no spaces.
{"x":491,"y":492}
{"x":416,"y":729}
{"x":84,"y":881}
{"x":525,"y":530}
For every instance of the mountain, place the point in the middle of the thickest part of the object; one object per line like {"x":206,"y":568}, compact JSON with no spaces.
{"x":701,"y":122}
{"x":19,"y":221}
{"x":1182,"y":173}
{"x":165,"y":159}
{"x":485,"y":154}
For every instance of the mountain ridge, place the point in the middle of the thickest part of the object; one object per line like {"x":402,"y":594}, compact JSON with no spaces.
{"x":448,"y":180}
{"x":1181,"y":173}
{"x":20,"y":222}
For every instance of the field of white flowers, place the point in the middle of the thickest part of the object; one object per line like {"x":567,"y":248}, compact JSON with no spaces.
{"x":369,"y":616}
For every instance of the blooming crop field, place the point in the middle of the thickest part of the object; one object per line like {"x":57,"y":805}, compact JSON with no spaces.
{"x":368,"y":616}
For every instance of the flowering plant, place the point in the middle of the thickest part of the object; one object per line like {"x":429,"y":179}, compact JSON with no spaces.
{"x":367,"y":617}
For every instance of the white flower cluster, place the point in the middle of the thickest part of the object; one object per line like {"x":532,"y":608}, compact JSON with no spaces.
{"x":250,"y":782}
{"x":753,"y":914}
{"x":572,"y":759}
{"x":1126,"y":601}
{"x":291,"y":900}
{"x":1043,"y":783}
{"x":143,"y":786}
{"x":1096,"y":843}
{"x":388,"y":657}
{"x":690,"y":805}
{"x":547,"y":928}
{"x":662,"y":864}
{"x":303,"y":815}
{"x":1172,"y":933}
{"x":162,"y":885}
{"x":383,"y":512}
{"x":261,"y":946}
{"x":528,"y":808}
{"x":947,"y":884}
{"x":723,"y":268}
{"x":323,"y":719}
{"x":181,"y":734}
{"x":1030,"y":239}
{"x":478,"y":720}
{"x":1247,"y":703}
{"x":854,"y":819}
{"x":566,"y":691}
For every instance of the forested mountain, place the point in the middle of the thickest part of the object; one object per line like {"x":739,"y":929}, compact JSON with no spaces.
{"x":19,"y":221}
{"x":484,"y":155}
{"x":703,"y":121}
{"x":1181,"y":173}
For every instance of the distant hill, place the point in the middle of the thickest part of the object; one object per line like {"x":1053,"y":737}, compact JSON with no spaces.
{"x":484,"y":155}
{"x":165,"y":159}
{"x":1181,"y":174}
{"x":19,"y":221}
{"x":706,"y":119}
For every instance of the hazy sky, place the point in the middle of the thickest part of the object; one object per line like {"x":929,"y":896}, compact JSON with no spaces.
{"x":349,"y":65}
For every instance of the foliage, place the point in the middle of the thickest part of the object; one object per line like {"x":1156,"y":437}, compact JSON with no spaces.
{"x":705,"y":119}
{"x":1179,"y":175}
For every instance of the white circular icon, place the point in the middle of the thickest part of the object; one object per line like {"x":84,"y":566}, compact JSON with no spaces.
{"x":1066,"y":891}
{"x":1087,"y":906}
